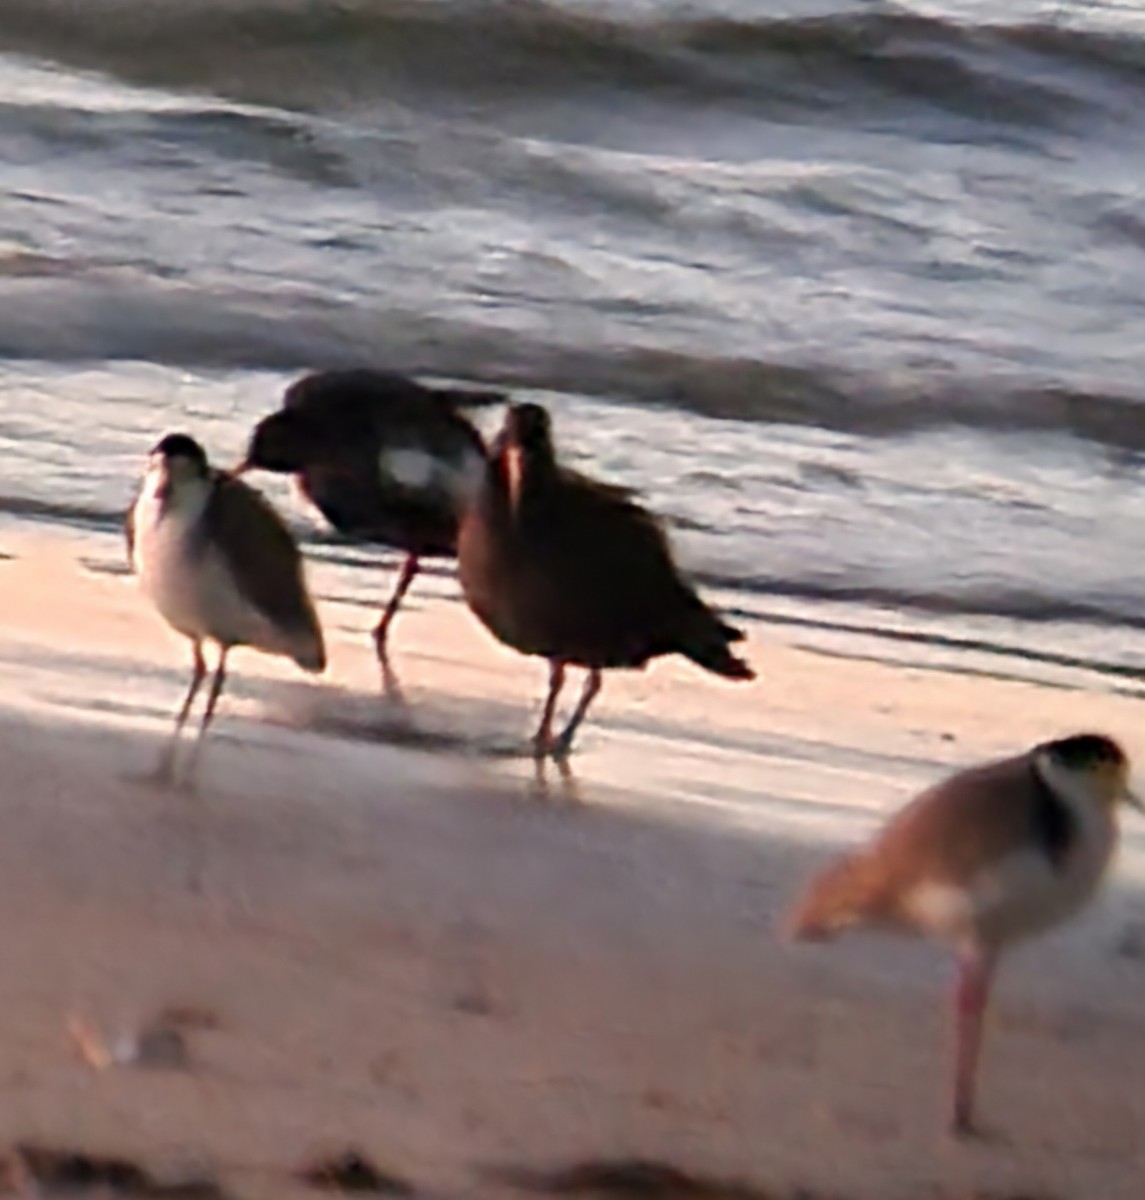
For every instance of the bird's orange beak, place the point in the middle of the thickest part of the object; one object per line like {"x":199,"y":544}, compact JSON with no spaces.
{"x":511,"y":458}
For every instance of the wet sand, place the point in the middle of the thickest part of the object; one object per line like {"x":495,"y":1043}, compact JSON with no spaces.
{"x":411,"y":946}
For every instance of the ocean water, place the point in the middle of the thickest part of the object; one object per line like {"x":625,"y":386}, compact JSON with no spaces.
{"x":853,"y":292}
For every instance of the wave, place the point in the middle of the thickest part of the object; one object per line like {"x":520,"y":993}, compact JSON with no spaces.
{"x":330,"y":53}
{"x":1033,"y":606}
{"x":119,"y":314}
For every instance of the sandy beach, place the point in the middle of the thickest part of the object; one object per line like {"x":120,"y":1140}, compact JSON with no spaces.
{"x":396,"y":939}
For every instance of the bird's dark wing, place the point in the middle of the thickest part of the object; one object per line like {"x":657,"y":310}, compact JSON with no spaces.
{"x":625,"y":497}
{"x":357,"y":388}
{"x":600,"y":536}
{"x":368,"y":407}
{"x":606,"y":521}
{"x":259,"y":551}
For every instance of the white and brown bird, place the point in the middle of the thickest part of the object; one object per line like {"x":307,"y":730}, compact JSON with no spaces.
{"x":989,"y":856}
{"x":219,"y":564}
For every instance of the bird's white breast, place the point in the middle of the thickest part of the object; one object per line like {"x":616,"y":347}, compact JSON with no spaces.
{"x":162,"y":552}
{"x":186,"y":579}
{"x":1025,"y":891}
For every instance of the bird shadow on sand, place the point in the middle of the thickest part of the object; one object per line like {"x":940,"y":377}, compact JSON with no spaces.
{"x":105,"y":706}
{"x":429,"y":723}
{"x":435,"y":724}
{"x":181,"y":828}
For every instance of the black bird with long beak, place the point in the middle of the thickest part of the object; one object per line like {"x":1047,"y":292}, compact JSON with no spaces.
{"x":218,"y":563}
{"x":987,"y":857}
{"x":384,"y":458}
{"x":575,"y":571}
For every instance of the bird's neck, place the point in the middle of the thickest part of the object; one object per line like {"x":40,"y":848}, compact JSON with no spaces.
{"x":520,"y":479}
{"x":184,"y":498}
{"x":1076,"y":791}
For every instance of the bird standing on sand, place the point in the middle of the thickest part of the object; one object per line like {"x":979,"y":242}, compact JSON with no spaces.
{"x":989,"y":856}
{"x":219,"y":564}
{"x":573,"y":570}
{"x":383,"y":457}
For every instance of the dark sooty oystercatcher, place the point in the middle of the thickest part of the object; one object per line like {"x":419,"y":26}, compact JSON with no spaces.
{"x":384,"y":458}
{"x":574,"y":570}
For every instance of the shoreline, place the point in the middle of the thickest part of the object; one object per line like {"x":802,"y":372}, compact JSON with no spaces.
{"x":412,"y":950}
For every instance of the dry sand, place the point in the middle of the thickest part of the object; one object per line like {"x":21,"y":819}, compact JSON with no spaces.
{"x":412,"y":947}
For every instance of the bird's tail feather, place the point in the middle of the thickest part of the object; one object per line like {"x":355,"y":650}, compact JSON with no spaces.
{"x":307,"y":646}
{"x":312,"y":658}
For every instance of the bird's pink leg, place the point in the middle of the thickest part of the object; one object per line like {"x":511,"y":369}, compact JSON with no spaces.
{"x":975,"y":973}
{"x":563,"y":745}
{"x":543,"y":739}
{"x":408,"y":572}
{"x":389,"y":679}
{"x":209,"y":712}
{"x":166,"y":769}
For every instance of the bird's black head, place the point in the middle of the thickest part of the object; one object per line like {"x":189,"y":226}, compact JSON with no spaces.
{"x":1099,"y":761}
{"x":280,"y":442}
{"x":522,"y":451}
{"x":1086,"y":752}
{"x":181,"y":448}
{"x":530,"y":427}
